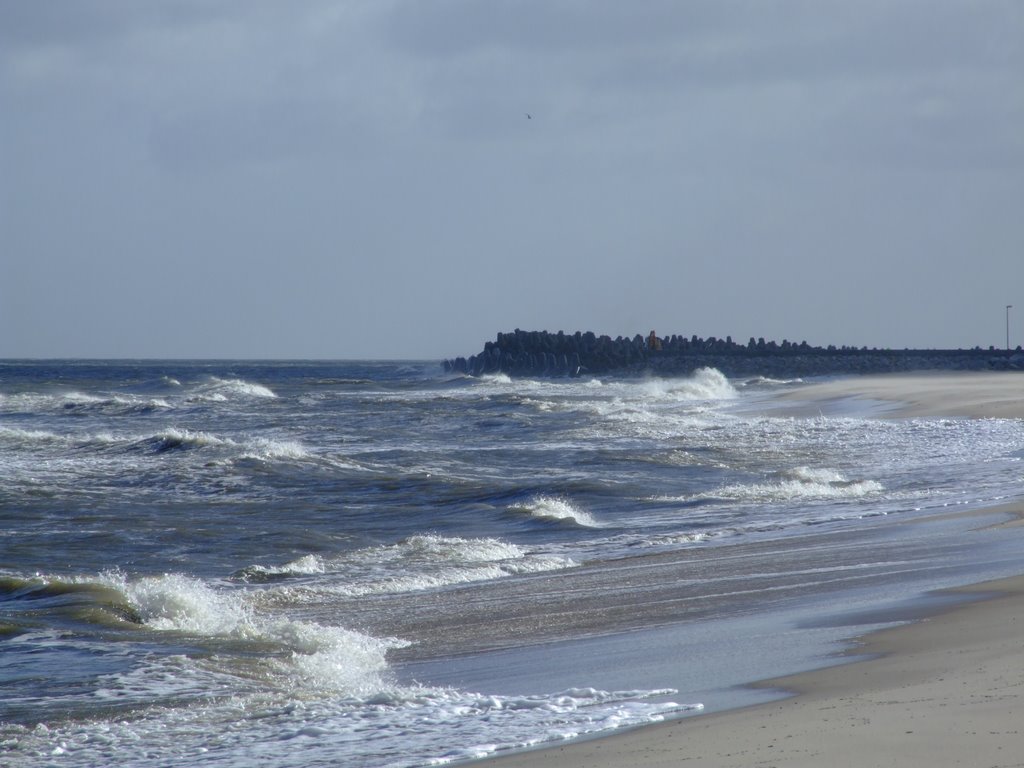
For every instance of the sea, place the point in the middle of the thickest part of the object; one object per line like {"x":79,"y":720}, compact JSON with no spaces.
{"x":377,"y":564}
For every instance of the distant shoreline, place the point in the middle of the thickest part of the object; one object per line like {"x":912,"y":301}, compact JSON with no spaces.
{"x":927,"y":394}
{"x":541,"y":353}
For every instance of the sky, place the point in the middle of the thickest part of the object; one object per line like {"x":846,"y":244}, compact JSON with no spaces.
{"x":403,"y":179}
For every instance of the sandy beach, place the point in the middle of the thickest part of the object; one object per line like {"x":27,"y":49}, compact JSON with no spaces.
{"x":947,"y":690}
{"x":970,"y":395}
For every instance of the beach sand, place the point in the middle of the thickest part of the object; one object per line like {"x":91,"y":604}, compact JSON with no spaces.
{"x":944,"y":691}
{"x":968,"y":395}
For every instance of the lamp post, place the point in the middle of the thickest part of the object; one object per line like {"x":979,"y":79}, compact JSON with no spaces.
{"x":1008,"y":308}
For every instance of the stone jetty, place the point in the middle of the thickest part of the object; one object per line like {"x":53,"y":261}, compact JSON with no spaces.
{"x":546,"y":354}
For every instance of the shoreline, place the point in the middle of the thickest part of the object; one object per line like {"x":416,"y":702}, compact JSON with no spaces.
{"x":946,"y":689}
{"x":972,"y":395}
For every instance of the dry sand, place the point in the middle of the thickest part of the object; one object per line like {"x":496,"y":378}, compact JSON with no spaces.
{"x":970,"y":395}
{"x":945,"y":691}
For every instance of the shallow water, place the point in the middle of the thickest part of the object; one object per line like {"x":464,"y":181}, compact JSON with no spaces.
{"x":375,"y":564}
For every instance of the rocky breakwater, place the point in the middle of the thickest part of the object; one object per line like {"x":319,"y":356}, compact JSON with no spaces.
{"x":545,"y":354}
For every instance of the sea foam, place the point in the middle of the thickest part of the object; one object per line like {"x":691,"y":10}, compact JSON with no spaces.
{"x":799,"y":483}
{"x":308,"y":680}
{"x":221,"y":390}
{"x":555,"y":509}
{"x":331,"y":658}
{"x":417,"y":563}
{"x":703,"y":384}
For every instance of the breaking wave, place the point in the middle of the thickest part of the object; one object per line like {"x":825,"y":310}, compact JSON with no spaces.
{"x":80,"y":404}
{"x":293,"y":691}
{"x":220,"y":390}
{"x":175,"y":439}
{"x":28,"y":436}
{"x":557,"y":510}
{"x":703,"y":384}
{"x":330,"y":658}
{"x":414,"y":564}
{"x":799,"y":483}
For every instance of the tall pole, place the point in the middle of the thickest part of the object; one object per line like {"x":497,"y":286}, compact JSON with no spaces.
{"x":1008,"y":308}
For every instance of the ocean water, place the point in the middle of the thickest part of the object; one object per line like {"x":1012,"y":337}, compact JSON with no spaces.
{"x":377,"y":564}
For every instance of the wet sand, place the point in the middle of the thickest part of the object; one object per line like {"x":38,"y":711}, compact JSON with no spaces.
{"x":944,"y":691}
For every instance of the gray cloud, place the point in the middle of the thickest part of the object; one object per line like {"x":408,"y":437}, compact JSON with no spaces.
{"x":360,"y":179}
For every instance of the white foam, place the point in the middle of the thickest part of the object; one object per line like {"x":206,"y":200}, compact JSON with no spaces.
{"x":765,"y":381}
{"x":262,"y":448}
{"x":671,"y":539}
{"x":220,"y":390}
{"x":557,"y":509}
{"x":265,"y":448}
{"x":497,"y":378}
{"x":799,"y":483}
{"x":455,"y":549}
{"x":127,"y":403}
{"x":394,"y":727}
{"x":81,"y":398}
{"x":82,"y":401}
{"x":431,"y":562}
{"x":27,"y":435}
{"x":446,"y":577}
{"x":330,"y":658}
{"x":307,"y":565}
{"x":297,"y":692}
{"x":703,"y":384}
{"x":415,"y":564}
{"x":108,"y":438}
{"x":185,"y":604}
{"x":173,"y":437}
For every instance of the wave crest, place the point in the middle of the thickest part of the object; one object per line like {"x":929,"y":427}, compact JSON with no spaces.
{"x":330,"y":658}
{"x":555,"y":509}
{"x":173,"y":439}
{"x":418,"y":563}
{"x":800,"y":483}
{"x":220,"y":390}
{"x":703,"y":384}
{"x":260,"y":448}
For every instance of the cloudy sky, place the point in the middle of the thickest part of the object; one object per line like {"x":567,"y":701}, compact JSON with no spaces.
{"x":405,"y":178}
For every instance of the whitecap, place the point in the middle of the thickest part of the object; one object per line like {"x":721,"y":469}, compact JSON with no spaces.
{"x":452,"y":549}
{"x":329,"y":658}
{"x":703,"y":384}
{"x":556,"y":509}
{"x":415,"y":564}
{"x":185,"y":604}
{"x":27,"y":435}
{"x":173,"y":438}
{"x":799,"y":483}
{"x":496,"y":378}
{"x":221,"y":390}
{"x":265,"y":448}
{"x":307,"y":565}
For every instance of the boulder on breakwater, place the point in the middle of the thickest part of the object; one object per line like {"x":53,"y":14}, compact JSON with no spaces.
{"x":545,"y":354}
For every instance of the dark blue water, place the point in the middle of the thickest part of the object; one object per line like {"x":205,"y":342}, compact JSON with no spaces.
{"x":359,"y":563}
